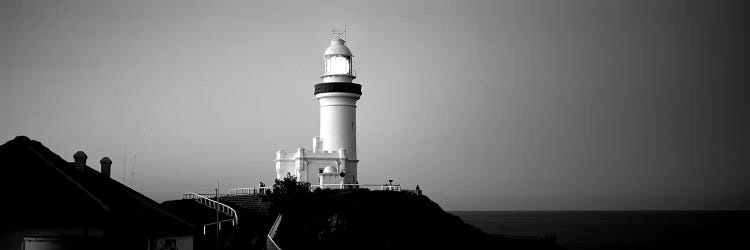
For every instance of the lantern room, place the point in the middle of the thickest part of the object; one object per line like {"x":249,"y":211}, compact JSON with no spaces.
{"x":338,"y":63}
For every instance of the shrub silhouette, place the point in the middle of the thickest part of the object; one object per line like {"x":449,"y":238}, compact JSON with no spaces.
{"x":288,"y":194}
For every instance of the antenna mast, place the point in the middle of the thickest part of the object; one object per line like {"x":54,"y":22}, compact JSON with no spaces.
{"x":124,"y":162}
{"x":340,"y":33}
{"x":132,"y":174}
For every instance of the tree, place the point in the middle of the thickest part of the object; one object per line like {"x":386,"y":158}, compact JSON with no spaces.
{"x":288,"y":193}
{"x":290,"y":186}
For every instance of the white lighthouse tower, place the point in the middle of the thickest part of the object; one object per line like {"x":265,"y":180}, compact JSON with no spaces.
{"x":333,"y":159}
{"x":338,"y":97}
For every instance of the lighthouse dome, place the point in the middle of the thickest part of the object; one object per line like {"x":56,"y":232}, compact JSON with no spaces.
{"x":329,"y":170}
{"x":337,"y":48}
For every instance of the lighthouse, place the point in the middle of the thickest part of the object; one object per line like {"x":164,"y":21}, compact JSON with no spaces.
{"x":332,"y":160}
{"x":338,"y":97}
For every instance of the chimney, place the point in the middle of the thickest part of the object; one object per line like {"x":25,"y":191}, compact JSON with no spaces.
{"x":106,"y":166}
{"x":79,"y":160}
{"x":316,"y":144}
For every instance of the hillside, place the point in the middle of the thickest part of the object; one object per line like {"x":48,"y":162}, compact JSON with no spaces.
{"x":353,"y":219}
{"x":364,"y":219}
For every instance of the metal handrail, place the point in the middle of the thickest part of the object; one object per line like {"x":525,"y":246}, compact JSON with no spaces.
{"x":246,"y":191}
{"x":272,"y":233}
{"x":386,"y":187}
{"x":221,"y":207}
{"x":211,"y":195}
{"x":218,"y":224}
{"x":268,"y":190}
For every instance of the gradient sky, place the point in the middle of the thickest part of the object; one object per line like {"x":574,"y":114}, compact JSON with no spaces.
{"x":487,"y":105}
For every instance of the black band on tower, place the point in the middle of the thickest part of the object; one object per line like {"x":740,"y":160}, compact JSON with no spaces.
{"x":346,"y":87}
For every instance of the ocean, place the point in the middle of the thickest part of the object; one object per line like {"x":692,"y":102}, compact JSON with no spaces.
{"x":621,"y":229}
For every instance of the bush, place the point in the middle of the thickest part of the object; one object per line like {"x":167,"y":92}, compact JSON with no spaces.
{"x":289,"y":194}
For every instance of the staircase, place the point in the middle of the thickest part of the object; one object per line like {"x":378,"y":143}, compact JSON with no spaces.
{"x":252,"y":203}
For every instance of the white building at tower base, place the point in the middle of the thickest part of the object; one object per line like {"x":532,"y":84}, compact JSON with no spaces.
{"x":317,"y":166}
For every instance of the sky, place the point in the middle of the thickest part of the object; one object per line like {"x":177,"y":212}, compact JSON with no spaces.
{"x":486,"y":105}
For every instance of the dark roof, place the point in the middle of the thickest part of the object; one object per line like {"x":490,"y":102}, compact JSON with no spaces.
{"x":48,"y":188}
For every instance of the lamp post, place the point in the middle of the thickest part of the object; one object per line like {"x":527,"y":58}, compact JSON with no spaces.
{"x":218,"y":226}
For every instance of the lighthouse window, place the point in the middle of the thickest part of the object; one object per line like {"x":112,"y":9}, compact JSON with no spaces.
{"x":338,"y":65}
